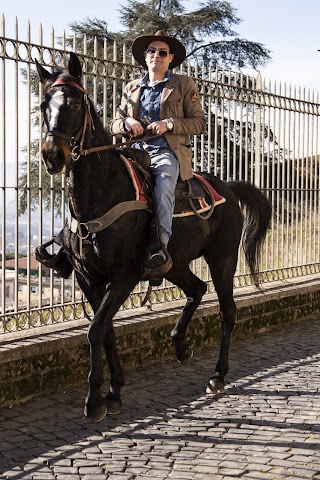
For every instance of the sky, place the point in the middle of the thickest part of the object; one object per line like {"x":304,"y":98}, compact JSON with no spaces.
{"x":289,"y":28}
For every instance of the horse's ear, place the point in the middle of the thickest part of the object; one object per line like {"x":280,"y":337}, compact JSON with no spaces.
{"x":42,"y":72}
{"x":74,"y":66}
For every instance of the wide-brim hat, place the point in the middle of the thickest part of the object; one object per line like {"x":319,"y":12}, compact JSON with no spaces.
{"x":140,"y":45}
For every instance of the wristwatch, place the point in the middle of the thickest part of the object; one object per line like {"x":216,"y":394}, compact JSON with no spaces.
{"x":169,"y":123}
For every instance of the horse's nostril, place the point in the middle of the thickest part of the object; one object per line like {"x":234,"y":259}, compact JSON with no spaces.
{"x":54,"y":159}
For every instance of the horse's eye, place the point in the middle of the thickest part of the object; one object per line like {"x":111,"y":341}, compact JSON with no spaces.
{"x":76,"y":105}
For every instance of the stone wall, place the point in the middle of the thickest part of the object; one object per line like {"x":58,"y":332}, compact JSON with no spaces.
{"x":55,"y":358}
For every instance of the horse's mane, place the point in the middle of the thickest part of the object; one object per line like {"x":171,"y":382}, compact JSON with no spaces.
{"x":99,"y":128}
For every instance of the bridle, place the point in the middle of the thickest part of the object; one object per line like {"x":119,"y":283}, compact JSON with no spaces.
{"x":73,"y":141}
{"x":76,"y":145}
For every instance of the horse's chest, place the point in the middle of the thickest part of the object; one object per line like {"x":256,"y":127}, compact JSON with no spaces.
{"x":86,"y":259}
{"x":96,"y":255}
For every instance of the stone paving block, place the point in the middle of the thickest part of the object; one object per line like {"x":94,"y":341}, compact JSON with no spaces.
{"x":206,"y":476}
{"x":64,"y":471}
{"x":122,"y":476}
{"x":259,"y":467}
{"x":181,"y":474}
{"x":138,"y":470}
{"x":232,"y":472}
{"x":70,"y":476}
{"x":234,"y":465}
{"x":90,"y":470}
{"x":185,"y":464}
{"x":263,"y":476}
{"x":210,"y":461}
{"x":307,"y":471}
{"x":43,"y":476}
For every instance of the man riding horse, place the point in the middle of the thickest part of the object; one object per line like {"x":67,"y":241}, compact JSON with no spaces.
{"x":167,"y":105}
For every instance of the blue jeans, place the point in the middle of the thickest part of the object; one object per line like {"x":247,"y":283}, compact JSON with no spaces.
{"x":165,"y":171}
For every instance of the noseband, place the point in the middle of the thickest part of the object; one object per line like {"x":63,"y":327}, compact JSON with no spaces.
{"x":77,"y":148}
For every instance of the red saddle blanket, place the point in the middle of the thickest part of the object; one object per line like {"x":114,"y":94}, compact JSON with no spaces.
{"x":201,"y":199}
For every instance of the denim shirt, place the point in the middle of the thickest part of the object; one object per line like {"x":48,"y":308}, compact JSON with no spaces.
{"x":149,"y":109}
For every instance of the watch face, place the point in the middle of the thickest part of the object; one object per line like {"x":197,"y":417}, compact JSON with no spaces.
{"x":169,"y":125}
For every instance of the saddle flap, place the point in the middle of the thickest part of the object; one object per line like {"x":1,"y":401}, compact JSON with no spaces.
{"x":189,"y":189}
{"x":198,"y":191}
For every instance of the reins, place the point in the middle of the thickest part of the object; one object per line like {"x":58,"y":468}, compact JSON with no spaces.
{"x":87,"y":151}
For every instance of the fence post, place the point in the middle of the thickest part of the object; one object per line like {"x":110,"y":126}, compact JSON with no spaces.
{"x":257,"y":123}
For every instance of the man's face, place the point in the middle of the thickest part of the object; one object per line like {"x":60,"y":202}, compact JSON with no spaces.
{"x":156,"y":60}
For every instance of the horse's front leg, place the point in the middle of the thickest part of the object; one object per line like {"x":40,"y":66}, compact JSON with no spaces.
{"x":101,"y":334}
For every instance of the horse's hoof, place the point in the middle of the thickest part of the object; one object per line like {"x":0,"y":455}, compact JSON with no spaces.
{"x":113,"y":408}
{"x":215,"y":385}
{"x":110,"y":406}
{"x":187,"y":355}
{"x":95,"y":414}
{"x":113,"y":405}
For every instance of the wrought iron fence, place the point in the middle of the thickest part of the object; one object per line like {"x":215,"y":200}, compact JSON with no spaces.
{"x":258,"y":132}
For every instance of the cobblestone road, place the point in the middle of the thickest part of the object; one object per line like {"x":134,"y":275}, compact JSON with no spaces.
{"x":265,"y":426}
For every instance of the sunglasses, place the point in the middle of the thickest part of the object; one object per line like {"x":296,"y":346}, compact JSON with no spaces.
{"x":162,"y":53}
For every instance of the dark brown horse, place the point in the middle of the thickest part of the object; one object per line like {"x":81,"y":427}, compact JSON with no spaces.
{"x":110,"y":262}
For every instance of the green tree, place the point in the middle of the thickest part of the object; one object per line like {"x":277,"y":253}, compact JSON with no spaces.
{"x":207,"y":32}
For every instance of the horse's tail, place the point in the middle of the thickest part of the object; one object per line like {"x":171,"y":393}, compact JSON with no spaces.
{"x":257,"y":218}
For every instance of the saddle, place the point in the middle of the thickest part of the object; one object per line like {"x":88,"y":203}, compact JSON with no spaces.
{"x":195,"y":196}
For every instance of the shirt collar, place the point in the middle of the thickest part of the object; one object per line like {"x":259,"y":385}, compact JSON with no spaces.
{"x":144,"y":81}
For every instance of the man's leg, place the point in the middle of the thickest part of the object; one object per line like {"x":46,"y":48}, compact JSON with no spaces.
{"x":165,"y":170}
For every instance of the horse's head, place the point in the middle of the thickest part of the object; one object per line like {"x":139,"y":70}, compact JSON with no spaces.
{"x":65,"y":112}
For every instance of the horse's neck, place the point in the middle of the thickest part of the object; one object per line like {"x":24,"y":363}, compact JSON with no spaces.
{"x":97,"y":183}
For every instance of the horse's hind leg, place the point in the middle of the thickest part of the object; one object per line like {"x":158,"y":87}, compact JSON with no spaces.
{"x":194,"y":288}
{"x":222,"y":272}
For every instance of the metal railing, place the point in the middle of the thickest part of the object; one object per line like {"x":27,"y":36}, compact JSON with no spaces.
{"x":258,"y":132}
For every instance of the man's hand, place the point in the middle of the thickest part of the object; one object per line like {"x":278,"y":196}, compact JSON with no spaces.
{"x":158,"y":127}
{"x":133,"y":127}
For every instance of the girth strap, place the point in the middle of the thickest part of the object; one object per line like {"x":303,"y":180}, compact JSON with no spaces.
{"x":98,"y":224}
{"x":114,"y":213}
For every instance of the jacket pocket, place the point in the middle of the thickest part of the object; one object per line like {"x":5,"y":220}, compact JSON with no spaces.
{"x":175,"y":107}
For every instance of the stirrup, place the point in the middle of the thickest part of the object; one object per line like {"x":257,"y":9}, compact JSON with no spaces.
{"x":59,"y":262}
{"x":46,"y":258}
{"x":158,"y":271}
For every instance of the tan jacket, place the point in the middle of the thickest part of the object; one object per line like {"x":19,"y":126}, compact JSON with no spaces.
{"x":179,"y":101}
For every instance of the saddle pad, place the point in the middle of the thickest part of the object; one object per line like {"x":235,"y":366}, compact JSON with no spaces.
{"x":140,"y":194}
